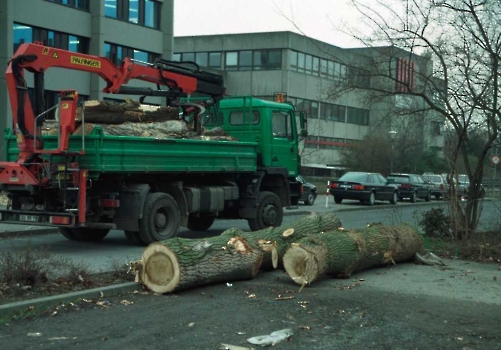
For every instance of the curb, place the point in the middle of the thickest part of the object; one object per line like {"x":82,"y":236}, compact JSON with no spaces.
{"x":376,"y":207}
{"x":294,"y":212}
{"x":27,"y":233}
{"x":95,"y":293}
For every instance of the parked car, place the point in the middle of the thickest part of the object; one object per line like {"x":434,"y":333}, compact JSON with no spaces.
{"x":366,"y":187}
{"x":411,"y":186}
{"x":438,"y":184}
{"x":464,"y":185}
{"x":309,"y":191}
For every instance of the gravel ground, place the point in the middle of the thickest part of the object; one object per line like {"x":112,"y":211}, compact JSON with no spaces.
{"x":400,"y":307}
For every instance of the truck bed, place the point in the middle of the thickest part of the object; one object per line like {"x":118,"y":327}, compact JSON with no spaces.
{"x":131,"y":154}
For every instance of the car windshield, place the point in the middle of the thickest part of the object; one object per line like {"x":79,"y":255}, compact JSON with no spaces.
{"x":433,"y":178}
{"x":299,"y":178}
{"x":354,"y":177}
{"x":398,"y":178}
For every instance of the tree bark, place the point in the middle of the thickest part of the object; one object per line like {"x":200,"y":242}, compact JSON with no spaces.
{"x":342,"y":252}
{"x":184,"y":263}
{"x":312,"y":224}
{"x":103,"y":112}
{"x":179,"y":263}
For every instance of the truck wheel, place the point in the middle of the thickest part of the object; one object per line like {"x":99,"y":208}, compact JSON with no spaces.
{"x":161,"y":217}
{"x":269,"y":212}
{"x":133,"y":237}
{"x":200,"y":223}
{"x":83,"y":234}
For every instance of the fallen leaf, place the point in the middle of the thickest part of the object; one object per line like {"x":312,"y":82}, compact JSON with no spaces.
{"x":126,"y":302}
{"x":251,"y":296}
{"x":191,"y":324}
{"x":34,"y":334}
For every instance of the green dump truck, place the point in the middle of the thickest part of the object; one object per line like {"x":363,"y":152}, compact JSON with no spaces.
{"x":89,"y":184}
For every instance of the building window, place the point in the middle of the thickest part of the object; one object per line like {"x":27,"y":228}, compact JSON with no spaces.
{"x":78,"y":4}
{"x":25,"y":34}
{"x":202,"y":59}
{"x":117,"y":53}
{"x":436,"y":128}
{"x":176,"y":57}
{"x":111,"y":8}
{"x":267,"y":59}
{"x":22,"y":34}
{"x":304,"y":63}
{"x":134,"y":11}
{"x":215,"y":59}
{"x":357,"y":116}
{"x":142,"y":12}
{"x":188,"y":57}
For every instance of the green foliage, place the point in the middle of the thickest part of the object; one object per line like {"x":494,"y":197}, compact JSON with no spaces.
{"x":431,"y":161}
{"x":435,"y":223}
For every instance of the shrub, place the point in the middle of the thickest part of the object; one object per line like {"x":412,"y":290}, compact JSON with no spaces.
{"x":435,"y":223}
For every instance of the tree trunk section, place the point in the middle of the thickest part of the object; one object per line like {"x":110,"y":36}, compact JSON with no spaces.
{"x":340,"y":253}
{"x":179,"y":263}
{"x":103,"y":112}
{"x":312,"y":224}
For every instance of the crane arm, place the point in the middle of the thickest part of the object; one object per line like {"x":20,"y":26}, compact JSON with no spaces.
{"x":35,"y":58}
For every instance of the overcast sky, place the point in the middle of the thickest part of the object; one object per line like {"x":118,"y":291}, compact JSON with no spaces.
{"x":316,"y":18}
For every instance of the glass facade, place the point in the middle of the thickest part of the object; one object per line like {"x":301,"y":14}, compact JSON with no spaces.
{"x":116,"y":53}
{"x":234,"y":60}
{"x":143,"y":12}
{"x":320,"y":67}
{"x":78,"y":4}
{"x":25,"y":34}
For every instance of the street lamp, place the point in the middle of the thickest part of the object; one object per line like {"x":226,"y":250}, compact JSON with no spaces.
{"x":392,"y":134}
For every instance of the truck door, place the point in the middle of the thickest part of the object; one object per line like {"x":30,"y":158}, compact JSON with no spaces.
{"x":284,"y":143}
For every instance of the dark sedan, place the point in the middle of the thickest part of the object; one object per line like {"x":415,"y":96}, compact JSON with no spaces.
{"x":365,"y":187}
{"x":309,"y":191}
{"x":411,"y":186}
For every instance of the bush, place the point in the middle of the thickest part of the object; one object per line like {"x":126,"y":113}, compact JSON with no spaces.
{"x":435,"y":223}
{"x":35,"y":267}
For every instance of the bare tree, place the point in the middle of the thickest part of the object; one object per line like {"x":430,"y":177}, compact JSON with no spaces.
{"x":438,"y":58}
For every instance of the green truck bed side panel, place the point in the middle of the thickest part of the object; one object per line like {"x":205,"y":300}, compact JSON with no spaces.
{"x":129,"y":154}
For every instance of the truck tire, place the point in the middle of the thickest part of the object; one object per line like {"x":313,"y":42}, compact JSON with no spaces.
{"x":133,"y":237}
{"x":161,"y":218}
{"x":269,"y":212}
{"x":84,"y":234}
{"x":200,"y":223}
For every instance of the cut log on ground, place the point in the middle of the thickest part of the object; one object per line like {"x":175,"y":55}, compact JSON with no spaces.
{"x":103,"y":112}
{"x":281,"y":237}
{"x":179,"y":263}
{"x":342,"y":252}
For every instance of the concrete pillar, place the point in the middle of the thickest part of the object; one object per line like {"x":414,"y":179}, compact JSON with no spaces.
{"x":96,"y":8}
{"x":167,"y":28}
{"x":6,"y":52}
